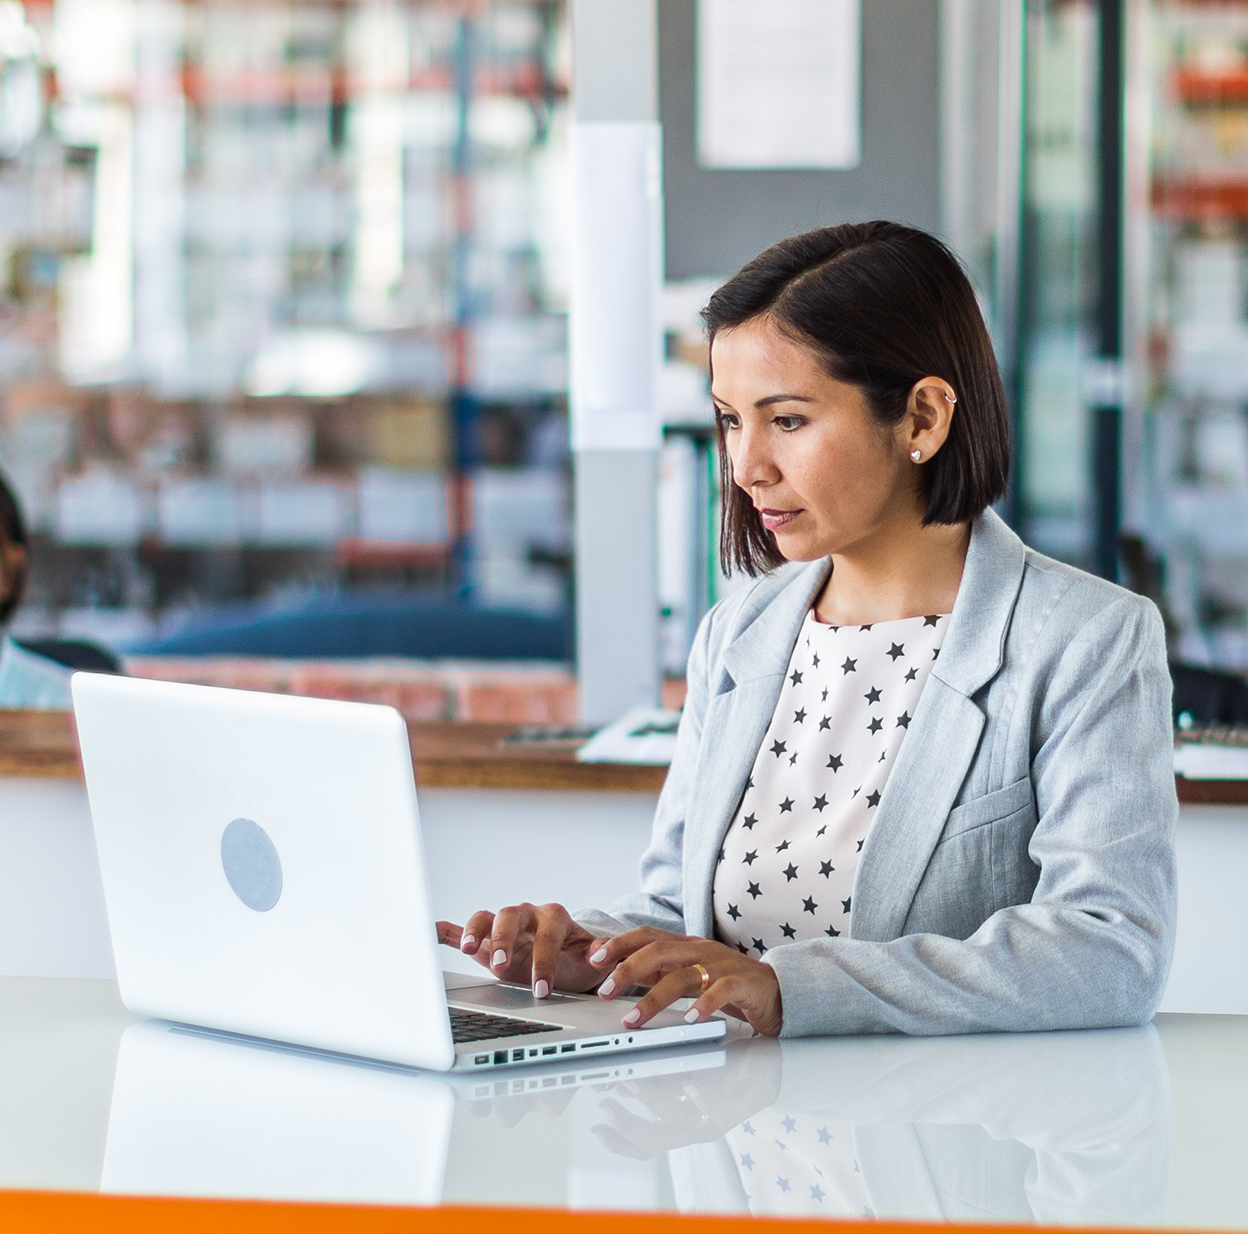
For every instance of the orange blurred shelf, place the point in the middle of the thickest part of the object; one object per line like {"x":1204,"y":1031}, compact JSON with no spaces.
{"x":1195,"y":87}
{"x":1201,"y":199}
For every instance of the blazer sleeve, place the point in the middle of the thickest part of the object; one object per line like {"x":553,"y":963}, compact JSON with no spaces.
{"x":1092,"y":948}
{"x":661,"y":902}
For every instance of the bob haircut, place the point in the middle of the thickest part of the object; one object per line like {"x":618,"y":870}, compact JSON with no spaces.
{"x":882,"y":306}
{"x":12,"y":531}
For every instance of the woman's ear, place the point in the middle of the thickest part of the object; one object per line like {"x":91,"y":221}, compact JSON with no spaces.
{"x":929,"y":416}
{"x":12,"y":569}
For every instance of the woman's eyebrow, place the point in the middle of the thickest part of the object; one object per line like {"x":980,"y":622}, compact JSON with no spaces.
{"x":769,"y":401}
{"x":772,"y":399}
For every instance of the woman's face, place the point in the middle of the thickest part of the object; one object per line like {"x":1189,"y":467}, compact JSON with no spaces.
{"x":822,"y":473}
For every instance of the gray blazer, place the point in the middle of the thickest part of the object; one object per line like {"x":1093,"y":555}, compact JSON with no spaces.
{"x":1020,"y":870}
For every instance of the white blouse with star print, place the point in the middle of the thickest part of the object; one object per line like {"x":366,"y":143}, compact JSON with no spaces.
{"x":786,"y":869}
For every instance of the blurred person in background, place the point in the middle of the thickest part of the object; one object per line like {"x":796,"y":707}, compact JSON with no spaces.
{"x":26,"y":679}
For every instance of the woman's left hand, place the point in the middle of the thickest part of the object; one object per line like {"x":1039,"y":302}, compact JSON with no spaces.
{"x":741,"y":986}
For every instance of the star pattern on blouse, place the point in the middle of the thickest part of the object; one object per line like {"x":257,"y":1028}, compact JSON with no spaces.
{"x":796,"y":847}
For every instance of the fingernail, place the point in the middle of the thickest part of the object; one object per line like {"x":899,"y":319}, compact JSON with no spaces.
{"x":632,"y":1017}
{"x":606,"y":987}
{"x":691,"y":1015}
{"x":499,"y":957}
{"x":467,"y":941}
{"x":598,"y":956}
{"x":541,"y":989}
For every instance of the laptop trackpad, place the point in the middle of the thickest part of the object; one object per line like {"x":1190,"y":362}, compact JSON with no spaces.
{"x":501,"y":997}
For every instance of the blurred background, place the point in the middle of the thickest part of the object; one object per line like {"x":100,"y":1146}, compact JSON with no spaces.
{"x":283,"y":319}
{"x":284,"y":296}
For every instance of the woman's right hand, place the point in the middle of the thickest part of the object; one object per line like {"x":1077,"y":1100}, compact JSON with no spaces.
{"x":529,"y":944}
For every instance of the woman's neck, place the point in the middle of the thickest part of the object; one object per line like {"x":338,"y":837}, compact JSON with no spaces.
{"x":905,"y":575}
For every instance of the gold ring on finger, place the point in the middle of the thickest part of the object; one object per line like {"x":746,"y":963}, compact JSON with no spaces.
{"x":706,"y":978}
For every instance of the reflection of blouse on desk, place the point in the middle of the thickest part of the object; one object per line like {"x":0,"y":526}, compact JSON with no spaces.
{"x":1056,"y":1128}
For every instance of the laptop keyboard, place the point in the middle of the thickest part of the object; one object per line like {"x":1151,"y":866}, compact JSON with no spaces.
{"x":478,"y":1026}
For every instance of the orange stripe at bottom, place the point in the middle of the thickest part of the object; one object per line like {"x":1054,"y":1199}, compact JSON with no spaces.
{"x":53,"y":1212}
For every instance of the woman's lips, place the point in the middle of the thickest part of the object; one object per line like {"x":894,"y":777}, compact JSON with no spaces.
{"x":777,"y":520}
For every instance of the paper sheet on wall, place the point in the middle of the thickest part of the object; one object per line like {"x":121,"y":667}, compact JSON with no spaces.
{"x":641,"y":735}
{"x":779,"y":84}
{"x":1211,"y":762}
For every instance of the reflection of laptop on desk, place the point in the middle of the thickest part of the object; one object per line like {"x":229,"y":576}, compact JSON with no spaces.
{"x":264,"y":875}
{"x":205,"y":1114}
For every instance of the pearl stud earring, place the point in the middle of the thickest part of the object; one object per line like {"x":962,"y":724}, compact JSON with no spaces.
{"x":917,"y":455}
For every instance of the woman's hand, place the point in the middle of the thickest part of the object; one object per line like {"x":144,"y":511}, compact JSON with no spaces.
{"x":737,"y":984}
{"x":528,"y":944}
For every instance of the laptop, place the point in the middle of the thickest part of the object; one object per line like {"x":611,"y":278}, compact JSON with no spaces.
{"x":263,"y":875}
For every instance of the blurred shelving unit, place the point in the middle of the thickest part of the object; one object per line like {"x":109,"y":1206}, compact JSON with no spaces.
{"x":283,"y":304}
{"x":1191,"y":324}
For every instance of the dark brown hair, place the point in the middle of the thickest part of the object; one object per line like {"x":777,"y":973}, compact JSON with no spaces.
{"x":12,"y":531}
{"x":882,"y":305}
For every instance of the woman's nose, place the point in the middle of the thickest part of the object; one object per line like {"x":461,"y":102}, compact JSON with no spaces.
{"x":750,"y":464}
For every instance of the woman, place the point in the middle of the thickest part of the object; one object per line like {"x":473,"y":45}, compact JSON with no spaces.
{"x":26,"y":679}
{"x":923,"y":780}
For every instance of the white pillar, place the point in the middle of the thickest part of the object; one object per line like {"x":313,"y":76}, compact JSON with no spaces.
{"x":616,"y":350}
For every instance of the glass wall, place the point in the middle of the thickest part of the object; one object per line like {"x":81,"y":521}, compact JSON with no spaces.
{"x":282,"y":306}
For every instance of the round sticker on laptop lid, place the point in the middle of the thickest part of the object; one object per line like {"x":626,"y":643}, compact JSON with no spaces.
{"x":251,"y":864}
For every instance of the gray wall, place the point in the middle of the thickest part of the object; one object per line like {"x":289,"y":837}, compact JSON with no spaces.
{"x":716,"y":220}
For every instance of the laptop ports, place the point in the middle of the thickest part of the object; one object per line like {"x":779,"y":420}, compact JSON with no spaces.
{"x":480,"y":1060}
{"x":517,"y":1055}
{"x":500,"y":1057}
{"x":550,"y":1049}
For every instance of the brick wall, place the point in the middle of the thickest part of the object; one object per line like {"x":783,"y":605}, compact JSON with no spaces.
{"x":419,"y":689}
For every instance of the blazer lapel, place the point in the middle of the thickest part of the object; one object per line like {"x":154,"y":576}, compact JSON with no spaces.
{"x":921,"y":789}
{"x":943,"y":736}
{"x":737,"y":717}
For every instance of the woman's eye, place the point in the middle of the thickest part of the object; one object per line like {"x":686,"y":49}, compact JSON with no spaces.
{"x":786,"y":424}
{"x":728,"y":420}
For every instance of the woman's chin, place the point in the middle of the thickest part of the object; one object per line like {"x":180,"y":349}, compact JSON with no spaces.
{"x":797,"y":547}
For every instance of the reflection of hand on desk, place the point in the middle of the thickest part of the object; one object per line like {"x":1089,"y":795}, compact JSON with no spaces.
{"x":690,"y":1109}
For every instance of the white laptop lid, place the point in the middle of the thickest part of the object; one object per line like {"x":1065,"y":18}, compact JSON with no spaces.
{"x":321,"y":933}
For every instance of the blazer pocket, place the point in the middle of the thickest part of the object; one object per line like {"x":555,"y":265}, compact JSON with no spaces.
{"x":988,"y":809}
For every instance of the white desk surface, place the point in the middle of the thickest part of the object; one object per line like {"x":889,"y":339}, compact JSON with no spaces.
{"x":1141,"y":1126}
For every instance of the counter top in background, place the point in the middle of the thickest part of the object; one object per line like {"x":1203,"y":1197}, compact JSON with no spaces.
{"x":450,"y":754}
{"x":445,"y":753}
